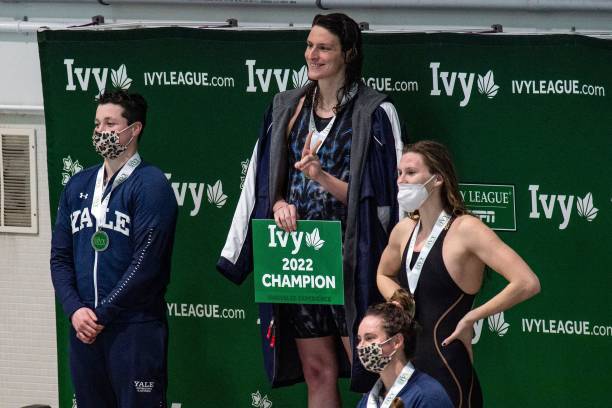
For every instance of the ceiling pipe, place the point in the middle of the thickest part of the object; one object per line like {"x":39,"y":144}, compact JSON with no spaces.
{"x":25,"y":27}
{"x":22,"y":109}
{"x":516,"y":5}
{"x":33,"y":27}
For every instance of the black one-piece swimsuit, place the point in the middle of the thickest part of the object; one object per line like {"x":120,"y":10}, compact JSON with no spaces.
{"x":440,"y":304}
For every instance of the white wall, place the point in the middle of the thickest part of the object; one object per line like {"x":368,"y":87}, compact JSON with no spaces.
{"x":20,"y":72}
{"x":28,"y":369}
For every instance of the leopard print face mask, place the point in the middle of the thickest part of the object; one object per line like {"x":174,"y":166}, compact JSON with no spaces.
{"x":372,"y":358}
{"x":107,"y":143}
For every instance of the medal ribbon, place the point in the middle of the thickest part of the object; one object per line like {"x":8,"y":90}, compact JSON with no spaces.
{"x":322,"y":135}
{"x":414,"y":273}
{"x":99,"y":205}
{"x":399,"y":383}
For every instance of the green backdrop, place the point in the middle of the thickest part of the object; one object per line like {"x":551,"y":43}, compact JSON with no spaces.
{"x":528,"y":113}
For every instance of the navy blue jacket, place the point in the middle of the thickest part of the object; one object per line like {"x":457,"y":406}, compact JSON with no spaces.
{"x":131,"y":275}
{"x":371,"y":215}
{"x":421,"y":391}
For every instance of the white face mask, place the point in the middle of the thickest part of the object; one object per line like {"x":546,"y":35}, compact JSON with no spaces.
{"x":412,"y":196}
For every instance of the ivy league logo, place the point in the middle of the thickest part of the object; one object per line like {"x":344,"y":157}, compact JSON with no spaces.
{"x":486,"y":83}
{"x":497,"y":325}
{"x":494,"y":204}
{"x":190,"y":194}
{"x":81,"y":77}
{"x":551,"y":203}
{"x":313,"y":239}
{"x":262,"y":77}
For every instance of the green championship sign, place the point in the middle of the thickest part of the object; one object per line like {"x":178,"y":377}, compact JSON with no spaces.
{"x":304,"y":266}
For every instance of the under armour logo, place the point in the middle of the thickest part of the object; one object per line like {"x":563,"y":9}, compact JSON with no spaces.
{"x":81,"y":195}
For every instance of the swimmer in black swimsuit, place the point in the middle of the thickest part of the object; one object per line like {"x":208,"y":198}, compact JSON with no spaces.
{"x":439,"y":253}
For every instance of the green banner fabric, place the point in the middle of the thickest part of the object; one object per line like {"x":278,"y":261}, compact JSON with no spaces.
{"x":526,"y":117}
{"x":304,"y":266}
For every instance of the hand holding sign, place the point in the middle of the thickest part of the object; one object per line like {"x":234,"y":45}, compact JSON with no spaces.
{"x":310,"y":164}
{"x":285,"y":215}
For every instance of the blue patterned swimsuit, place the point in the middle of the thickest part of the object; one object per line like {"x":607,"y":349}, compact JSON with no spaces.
{"x":309,"y":197}
{"x":314,"y":203}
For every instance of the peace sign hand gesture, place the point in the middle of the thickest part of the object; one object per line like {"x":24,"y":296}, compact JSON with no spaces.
{"x":310,"y":164}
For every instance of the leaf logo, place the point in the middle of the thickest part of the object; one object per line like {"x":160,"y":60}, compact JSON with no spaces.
{"x":255,"y":399}
{"x":486,"y":85}
{"x":215,"y":194}
{"x":266,"y":403}
{"x":586,"y":209}
{"x":314,"y":240}
{"x":497,"y":324}
{"x":120,"y":78}
{"x":245,"y":168}
{"x":70,"y":169}
{"x":260,"y":402}
{"x":300,"y":78}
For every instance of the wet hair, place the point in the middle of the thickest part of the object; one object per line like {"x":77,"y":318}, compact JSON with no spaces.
{"x":349,"y":34}
{"x":398,"y":319}
{"x":133,"y":104}
{"x":438,"y":160}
